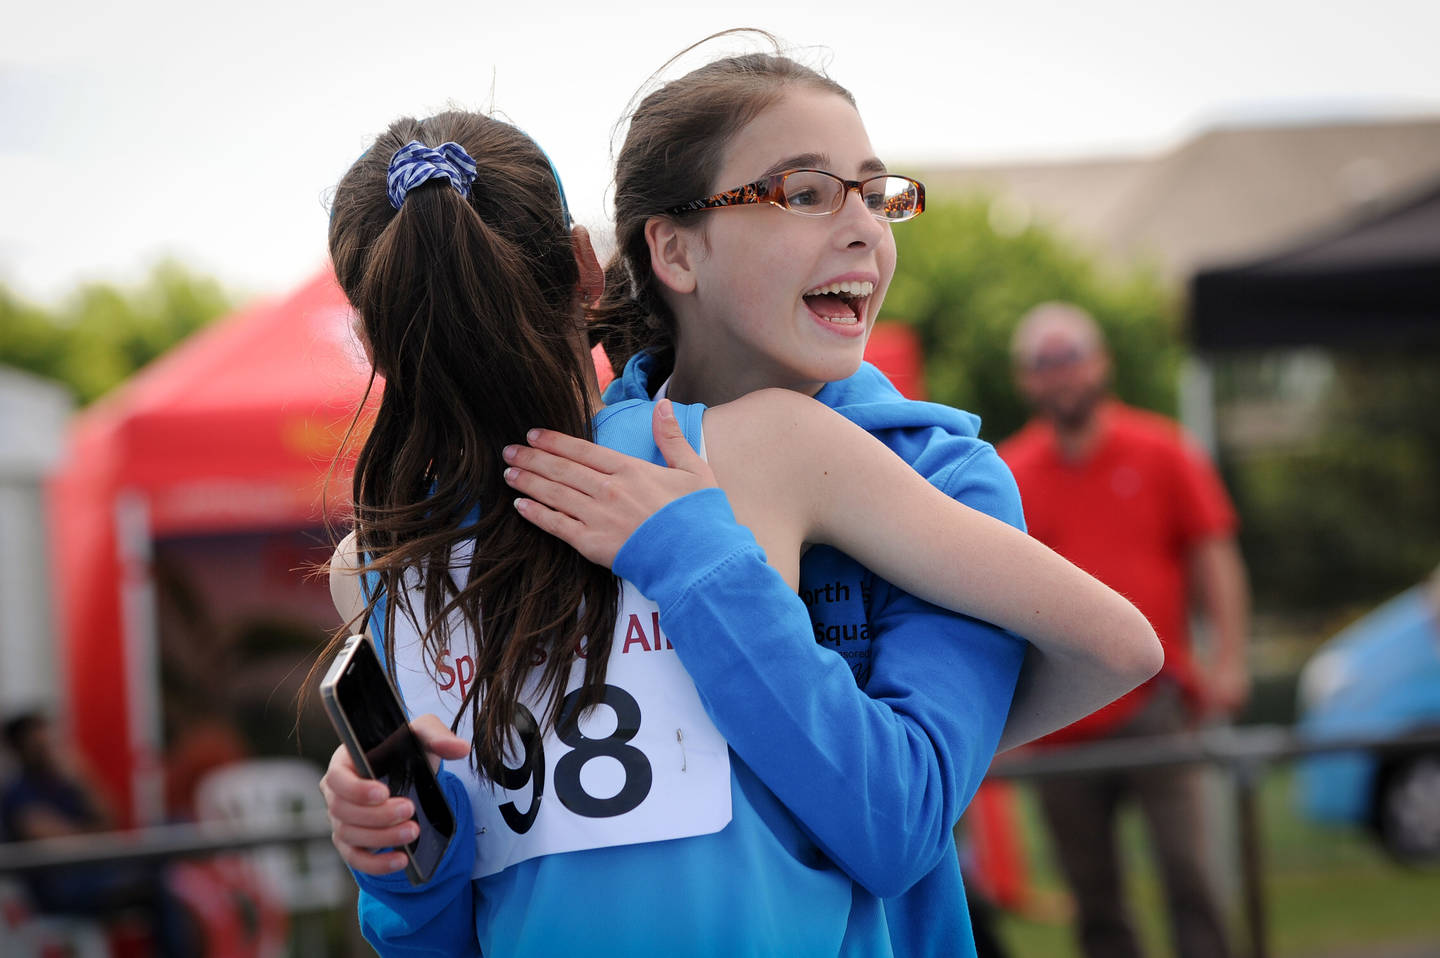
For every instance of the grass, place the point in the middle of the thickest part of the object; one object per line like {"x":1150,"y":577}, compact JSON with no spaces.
{"x":1328,"y":891}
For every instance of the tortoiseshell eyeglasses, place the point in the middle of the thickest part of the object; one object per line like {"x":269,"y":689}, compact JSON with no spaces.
{"x":888,"y":197}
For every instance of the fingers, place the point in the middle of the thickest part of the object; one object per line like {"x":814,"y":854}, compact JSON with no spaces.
{"x":577,"y":450}
{"x":572,"y":531}
{"x":558,"y":468}
{"x":364,"y":816}
{"x":361,"y":848}
{"x":438,"y":741}
{"x":594,"y":499}
{"x":556,"y":495}
{"x":436,"y":736}
{"x":386,"y":831}
{"x":355,"y":800}
{"x":347,"y":784}
{"x":370,"y":863}
{"x":670,"y":438}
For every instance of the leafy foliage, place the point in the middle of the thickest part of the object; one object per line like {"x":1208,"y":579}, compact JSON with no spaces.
{"x":1346,"y":514}
{"x":1336,"y":516}
{"x":963,"y":285}
{"x":102,"y":333}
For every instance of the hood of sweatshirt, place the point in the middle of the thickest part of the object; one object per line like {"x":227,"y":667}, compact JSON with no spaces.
{"x":867,"y":399}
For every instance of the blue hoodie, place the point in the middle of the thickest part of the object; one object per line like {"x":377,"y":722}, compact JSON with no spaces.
{"x":843,"y":797}
{"x":894,"y":766}
{"x":760,"y":886}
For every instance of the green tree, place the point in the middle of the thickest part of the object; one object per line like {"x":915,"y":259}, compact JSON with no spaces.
{"x":963,"y":285}
{"x":1334,"y":519}
{"x":1346,"y":514}
{"x":101,"y":334}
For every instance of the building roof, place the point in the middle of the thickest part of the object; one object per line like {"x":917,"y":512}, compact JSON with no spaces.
{"x":1225,"y":194}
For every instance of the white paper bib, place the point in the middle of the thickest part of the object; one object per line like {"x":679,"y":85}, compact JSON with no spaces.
{"x":646,"y":765}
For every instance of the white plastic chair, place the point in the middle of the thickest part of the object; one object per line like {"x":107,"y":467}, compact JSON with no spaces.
{"x":273,"y":793}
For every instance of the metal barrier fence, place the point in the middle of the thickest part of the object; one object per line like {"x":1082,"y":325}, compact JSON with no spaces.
{"x":1245,"y":752}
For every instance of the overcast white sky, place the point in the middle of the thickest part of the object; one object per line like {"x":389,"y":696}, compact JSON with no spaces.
{"x":213,"y":132}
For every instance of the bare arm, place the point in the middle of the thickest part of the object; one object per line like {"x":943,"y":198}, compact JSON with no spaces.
{"x":1088,"y":644}
{"x":798,"y":472}
{"x":1224,"y":599}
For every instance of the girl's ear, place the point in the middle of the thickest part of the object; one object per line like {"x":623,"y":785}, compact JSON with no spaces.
{"x":592,"y":276}
{"x":671,"y":254}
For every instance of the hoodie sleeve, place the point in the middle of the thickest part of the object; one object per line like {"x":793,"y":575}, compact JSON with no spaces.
{"x":955,"y":675}
{"x":436,"y":918}
{"x":877,"y":776}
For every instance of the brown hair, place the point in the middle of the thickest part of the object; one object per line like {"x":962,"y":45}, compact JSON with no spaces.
{"x":672,"y":150}
{"x":469,"y":309}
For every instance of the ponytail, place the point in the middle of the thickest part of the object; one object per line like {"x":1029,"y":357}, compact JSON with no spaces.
{"x":468,"y":305}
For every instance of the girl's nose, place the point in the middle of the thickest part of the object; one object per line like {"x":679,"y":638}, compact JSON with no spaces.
{"x":860,"y":225}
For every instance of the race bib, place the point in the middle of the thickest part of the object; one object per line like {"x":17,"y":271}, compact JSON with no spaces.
{"x":645,"y":765}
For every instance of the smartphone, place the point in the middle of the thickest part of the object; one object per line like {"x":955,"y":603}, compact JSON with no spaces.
{"x":366,"y":712}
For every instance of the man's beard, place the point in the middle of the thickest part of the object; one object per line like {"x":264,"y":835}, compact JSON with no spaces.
{"x":1074,"y":415}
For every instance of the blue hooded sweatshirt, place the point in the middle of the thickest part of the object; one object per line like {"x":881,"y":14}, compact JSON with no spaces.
{"x":843,"y":792}
{"x":908,"y":752}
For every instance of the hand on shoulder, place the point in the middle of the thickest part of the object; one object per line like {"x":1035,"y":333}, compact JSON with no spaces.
{"x":594,"y":498}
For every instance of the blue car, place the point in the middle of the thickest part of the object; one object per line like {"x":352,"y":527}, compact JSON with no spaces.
{"x":1378,"y":677}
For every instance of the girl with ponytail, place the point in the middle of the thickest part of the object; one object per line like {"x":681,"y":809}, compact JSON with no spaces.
{"x":587,"y":719}
{"x":464,"y":281}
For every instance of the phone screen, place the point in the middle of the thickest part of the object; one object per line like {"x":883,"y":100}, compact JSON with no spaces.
{"x":394,"y":754}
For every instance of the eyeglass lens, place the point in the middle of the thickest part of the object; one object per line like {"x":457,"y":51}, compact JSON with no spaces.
{"x":816,"y":193}
{"x":1061,"y":358}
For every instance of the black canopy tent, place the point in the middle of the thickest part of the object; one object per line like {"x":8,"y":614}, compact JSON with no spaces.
{"x":1372,"y":283}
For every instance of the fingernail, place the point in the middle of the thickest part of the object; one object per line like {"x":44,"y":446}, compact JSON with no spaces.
{"x":521,"y":505}
{"x":666,"y":409}
{"x":532,"y":435}
{"x":379,"y":794}
{"x":510,"y":474}
{"x":509,"y":453}
{"x":412,"y":833}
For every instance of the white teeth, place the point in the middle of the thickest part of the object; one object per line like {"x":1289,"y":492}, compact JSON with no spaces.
{"x":848,"y":288}
{"x":843,"y":320}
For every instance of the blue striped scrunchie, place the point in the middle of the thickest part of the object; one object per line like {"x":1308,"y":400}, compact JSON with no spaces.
{"x":415,"y":163}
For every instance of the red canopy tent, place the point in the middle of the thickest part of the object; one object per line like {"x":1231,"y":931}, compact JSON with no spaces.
{"x":895,"y":349}
{"x":232,"y":431}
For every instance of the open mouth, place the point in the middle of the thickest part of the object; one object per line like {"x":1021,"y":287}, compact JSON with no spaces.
{"x":840,"y":303}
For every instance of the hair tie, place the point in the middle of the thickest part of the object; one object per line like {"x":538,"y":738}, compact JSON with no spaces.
{"x":415,"y":163}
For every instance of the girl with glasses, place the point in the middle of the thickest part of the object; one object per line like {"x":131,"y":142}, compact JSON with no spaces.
{"x":737,"y":271}
{"x":599,"y":810}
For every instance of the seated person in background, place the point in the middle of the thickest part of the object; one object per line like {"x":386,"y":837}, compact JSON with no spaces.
{"x":53,"y":796}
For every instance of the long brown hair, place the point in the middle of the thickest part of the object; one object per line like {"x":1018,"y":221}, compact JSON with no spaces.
{"x":469,"y":308}
{"x":673,"y":148}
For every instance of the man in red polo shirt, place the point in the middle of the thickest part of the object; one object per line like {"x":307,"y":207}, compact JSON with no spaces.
{"x":1126,"y":496}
